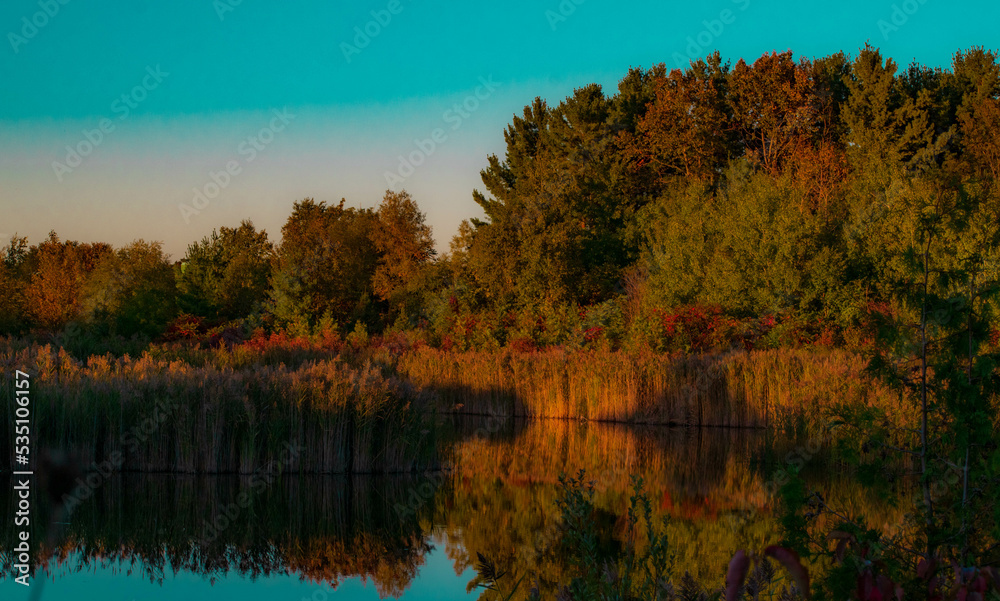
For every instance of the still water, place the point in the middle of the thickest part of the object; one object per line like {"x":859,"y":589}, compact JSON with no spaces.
{"x":417,"y":537}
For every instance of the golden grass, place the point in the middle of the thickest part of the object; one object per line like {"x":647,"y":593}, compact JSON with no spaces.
{"x":163,"y":415}
{"x":772,"y":388}
{"x":236,"y":410}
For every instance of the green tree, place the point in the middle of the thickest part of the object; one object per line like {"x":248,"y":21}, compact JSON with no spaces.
{"x":680,"y":235}
{"x":890,"y":138}
{"x":226,"y":275}
{"x":14,"y":278}
{"x":932,"y":347}
{"x":325,"y":265}
{"x":978,"y":80}
{"x":560,"y":205}
{"x":131,"y":291}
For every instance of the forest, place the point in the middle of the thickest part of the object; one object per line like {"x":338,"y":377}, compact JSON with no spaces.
{"x":766,"y":204}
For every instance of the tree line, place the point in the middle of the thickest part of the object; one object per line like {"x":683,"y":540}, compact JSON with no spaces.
{"x":781,"y":187}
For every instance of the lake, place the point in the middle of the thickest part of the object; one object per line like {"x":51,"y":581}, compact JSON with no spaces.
{"x":162,"y":536}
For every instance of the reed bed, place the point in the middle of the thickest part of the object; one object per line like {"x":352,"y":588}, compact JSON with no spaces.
{"x":371,"y":410}
{"x":157,"y":415}
{"x":770,"y":388}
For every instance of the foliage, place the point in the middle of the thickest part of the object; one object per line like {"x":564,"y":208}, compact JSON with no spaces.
{"x":599,"y":569}
{"x":405,"y":247}
{"x":940,"y":281}
{"x":225,"y":275}
{"x":324,"y":266}
{"x":223,"y":410}
{"x":58,"y":272}
{"x":14,"y":278}
{"x":131,"y":291}
{"x":775,"y":187}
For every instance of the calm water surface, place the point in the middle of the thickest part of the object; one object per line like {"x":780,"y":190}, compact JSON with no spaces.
{"x":416,"y":537}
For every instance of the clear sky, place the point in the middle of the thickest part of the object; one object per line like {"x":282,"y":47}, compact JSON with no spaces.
{"x":114,"y":115}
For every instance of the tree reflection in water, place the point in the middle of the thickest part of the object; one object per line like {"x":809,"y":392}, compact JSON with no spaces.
{"x":498,"y":498}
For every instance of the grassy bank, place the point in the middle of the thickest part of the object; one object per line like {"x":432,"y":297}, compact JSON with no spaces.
{"x":774,"y":388}
{"x":158,"y":415}
{"x":361,"y":409}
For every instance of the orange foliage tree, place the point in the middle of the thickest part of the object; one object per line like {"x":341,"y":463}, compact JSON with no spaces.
{"x":60,"y":268}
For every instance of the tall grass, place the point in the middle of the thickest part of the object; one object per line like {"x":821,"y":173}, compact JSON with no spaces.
{"x":771,"y":388}
{"x":229,"y":410}
{"x":163,"y":415}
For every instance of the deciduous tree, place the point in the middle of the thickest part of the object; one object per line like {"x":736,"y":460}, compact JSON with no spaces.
{"x":325,"y":264}
{"x":226,"y":275}
{"x":132,"y":291}
{"x":58,"y":273}
{"x":405,"y":246}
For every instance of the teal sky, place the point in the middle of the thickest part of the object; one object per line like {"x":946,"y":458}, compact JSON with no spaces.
{"x":201,"y":81}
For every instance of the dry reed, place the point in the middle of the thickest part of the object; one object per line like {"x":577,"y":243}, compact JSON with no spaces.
{"x":158,"y":415}
{"x":772,"y":388}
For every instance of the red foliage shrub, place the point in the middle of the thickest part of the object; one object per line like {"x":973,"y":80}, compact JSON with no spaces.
{"x":329,"y":339}
{"x":394,"y":342}
{"x":447,"y":343}
{"x":697,"y":329}
{"x":186,"y":327}
{"x":828,"y":337}
{"x":470,"y":324}
{"x":592,"y":334}
{"x":523,"y":344}
{"x":277,"y":341}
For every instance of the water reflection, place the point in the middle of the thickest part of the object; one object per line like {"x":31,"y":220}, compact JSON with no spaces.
{"x":180,"y":533}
